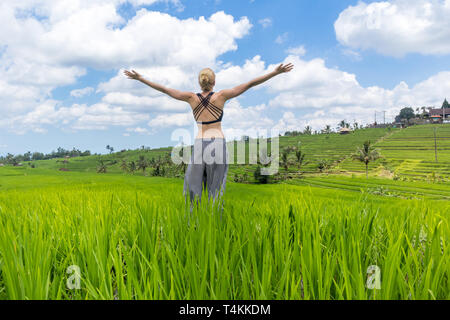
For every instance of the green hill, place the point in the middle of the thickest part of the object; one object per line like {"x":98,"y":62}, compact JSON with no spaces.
{"x":407,"y":153}
{"x":331,"y":147}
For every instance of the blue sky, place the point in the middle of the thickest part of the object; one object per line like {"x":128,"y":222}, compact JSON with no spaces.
{"x":346,"y":68}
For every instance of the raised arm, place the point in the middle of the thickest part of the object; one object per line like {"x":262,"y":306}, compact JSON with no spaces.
{"x":236,"y":91}
{"x":176,"y":94}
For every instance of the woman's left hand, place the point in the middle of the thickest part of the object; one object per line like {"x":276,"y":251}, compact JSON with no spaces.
{"x":283,"y":68}
{"x":133,"y":75}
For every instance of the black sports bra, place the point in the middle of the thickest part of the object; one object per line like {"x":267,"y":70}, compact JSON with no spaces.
{"x":205,"y":104}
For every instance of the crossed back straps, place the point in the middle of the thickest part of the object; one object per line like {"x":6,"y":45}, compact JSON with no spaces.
{"x":205,"y":104}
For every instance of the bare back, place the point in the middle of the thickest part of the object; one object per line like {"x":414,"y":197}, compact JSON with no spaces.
{"x":213,"y":130}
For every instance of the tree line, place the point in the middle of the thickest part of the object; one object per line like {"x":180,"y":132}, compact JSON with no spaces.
{"x":29,"y":156}
{"x":161,"y":166}
{"x":326,"y":130}
{"x":408,"y":113}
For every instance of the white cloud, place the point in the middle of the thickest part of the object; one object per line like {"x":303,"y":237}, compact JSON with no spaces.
{"x":352,"y":54}
{"x":327,"y":95}
{"x":138,"y":130}
{"x":298,"y":51}
{"x":176,"y":3}
{"x":171,"y":120}
{"x":99,"y":116}
{"x":41,"y":54}
{"x":87,"y":38}
{"x":252,"y":121}
{"x":330,"y":95}
{"x":265,"y":23}
{"x":38,"y":56}
{"x":235,"y":75}
{"x":78,"y":93}
{"x":143,"y":103}
{"x":170,"y":76}
{"x":397,"y":27}
{"x":282,"y":38}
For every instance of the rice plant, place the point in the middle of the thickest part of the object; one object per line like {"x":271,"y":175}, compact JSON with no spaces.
{"x":135,"y":238}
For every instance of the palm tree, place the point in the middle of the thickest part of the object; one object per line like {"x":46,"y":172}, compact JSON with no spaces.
{"x":327,"y":129}
{"x":285,"y":158}
{"x":308,"y":130}
{"x":423,"y":112}
{"x":132,"y":166}
{"x":156,"y":165}
{"x":142,"y":164}
{"x":366,"y":154}
{"x":101,"y":167}
{"x":300,"y":155}
{"x":124,"y":166}
{"x":9,"y":158}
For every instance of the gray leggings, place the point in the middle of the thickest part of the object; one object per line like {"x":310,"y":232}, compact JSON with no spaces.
{"x":207,"y":169}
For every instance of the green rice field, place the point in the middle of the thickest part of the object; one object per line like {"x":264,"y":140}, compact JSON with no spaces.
{"x":133,"y":237}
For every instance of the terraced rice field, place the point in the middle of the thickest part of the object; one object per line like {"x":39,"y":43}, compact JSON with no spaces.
{"x":333,"y":148}
{"x":385,"y":187}
{"x":410,"y":152}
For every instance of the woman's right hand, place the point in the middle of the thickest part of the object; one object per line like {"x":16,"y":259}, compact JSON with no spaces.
{"x":284,"y":68}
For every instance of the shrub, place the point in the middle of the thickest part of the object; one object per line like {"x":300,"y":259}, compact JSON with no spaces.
{"x":260,"y":178}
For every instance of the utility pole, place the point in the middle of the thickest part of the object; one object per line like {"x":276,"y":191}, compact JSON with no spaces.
{"x":375,"y":118}
{"x":443,"y":113}
{"x":435,"y":145}
{"x":384,"y":117}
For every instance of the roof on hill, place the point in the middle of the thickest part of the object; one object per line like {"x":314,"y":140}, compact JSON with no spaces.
{"x":439,"y":111}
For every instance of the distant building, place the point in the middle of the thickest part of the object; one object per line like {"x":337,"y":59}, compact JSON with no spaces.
{"x":440,"y":115}
{"x":345,"y":131}
{"x":399,"y":125}
{"x":2,"y":165}
{"x":436,"y":118}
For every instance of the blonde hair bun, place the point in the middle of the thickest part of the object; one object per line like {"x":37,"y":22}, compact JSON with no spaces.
{"x":207,"y":79}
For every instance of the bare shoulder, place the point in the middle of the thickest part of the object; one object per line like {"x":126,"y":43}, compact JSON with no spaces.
{"x":221,"y":93}
{"x":221,"y":96}
{"x":190,"y":96}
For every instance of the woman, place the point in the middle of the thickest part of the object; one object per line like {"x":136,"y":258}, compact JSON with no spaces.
{"x":208,"y":167}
